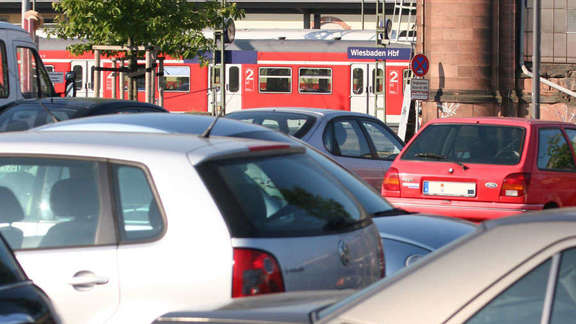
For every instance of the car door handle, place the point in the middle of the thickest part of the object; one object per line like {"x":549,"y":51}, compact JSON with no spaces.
{"x":85,"y":280}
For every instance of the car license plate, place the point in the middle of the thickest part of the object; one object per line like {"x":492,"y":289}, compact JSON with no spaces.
{"x":444,"y":188}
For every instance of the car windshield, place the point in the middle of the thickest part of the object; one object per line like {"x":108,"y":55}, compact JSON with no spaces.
{"x":293,"y":124}
{"x":280,"y":196}
{"x":468,"y":143}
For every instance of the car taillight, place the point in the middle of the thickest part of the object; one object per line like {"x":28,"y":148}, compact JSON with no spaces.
{"x":391,"y":181}
{"x":381,"y":260}
{"x":255,"y":272}
{"x":515,"y":185}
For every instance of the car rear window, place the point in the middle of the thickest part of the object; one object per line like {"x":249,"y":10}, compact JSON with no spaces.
{"x":485,"y":144}
{"x":293,"y":124}
{"x":281,"y":196}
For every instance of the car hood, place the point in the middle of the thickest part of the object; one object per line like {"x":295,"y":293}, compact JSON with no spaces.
{"x":426,"y":231}
{"x":290,"y":307}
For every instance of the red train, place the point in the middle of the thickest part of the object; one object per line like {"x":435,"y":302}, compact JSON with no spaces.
{"x":337,"y":74}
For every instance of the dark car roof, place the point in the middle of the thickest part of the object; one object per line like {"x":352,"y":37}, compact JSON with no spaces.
{"x":81,"y":103}
{"x":173,"y":123}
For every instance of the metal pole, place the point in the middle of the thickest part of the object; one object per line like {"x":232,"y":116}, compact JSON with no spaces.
{"x":97,"y":74}
{"x":536,"y":62}
{"x":222,"y":68}
{"x":25,"y":7}
{"x":161,"y":81}
{"x":122,"y":80}
{"x":148,"y":77}
{"x":362,"y":13}
{"x":115,"y":79}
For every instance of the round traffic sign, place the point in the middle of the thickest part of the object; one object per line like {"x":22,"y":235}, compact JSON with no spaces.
{"x":420,"y":65}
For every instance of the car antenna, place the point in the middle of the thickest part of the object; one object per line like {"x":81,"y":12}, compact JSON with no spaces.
{"x":208,"y":130}
{"x":52,"y":116}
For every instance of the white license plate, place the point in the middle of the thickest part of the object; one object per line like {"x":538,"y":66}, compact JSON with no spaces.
{"x":443,"y":188}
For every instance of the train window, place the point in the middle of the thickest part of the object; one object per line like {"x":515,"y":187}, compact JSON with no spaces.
{"x":177,"y":78}
{"x":92,"y":77}
{"x":77,"y":69}
{"x":215,"y":77}
{"x":275,"y":79}
{"x":315,"y":80}
{"x":233,"y":79}
{"x":358,"y":81}
{"x":4,"y":90}
{"x":377,"y":78}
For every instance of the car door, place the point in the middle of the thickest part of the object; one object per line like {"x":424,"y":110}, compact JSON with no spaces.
{"x":555,"y":170}
{"x":66,"y":243}
{"x":346,"y":141}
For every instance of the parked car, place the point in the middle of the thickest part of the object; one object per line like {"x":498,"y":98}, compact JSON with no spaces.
{"x":405,"y":238}
{"x":21,"y":301}
{"x":121,"y":227}
{"x":359,"y":142}
{"x":28,"y":113}
{"x":486,"y":167}
{"x":518,"y":269}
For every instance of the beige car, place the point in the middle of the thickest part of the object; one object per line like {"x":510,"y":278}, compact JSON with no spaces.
{"x":518,"y":269}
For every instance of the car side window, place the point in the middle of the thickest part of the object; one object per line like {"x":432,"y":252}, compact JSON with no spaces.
{"x":50,"y":203}
{"x":345,"y":138}
{"x":554,"y":153}
{"x":34,"y":80}
{"x":4,"y":85}
{"x":572,"y":137}
{"x":564,"y":307}
{"x":138,"y":210}
{"x":524,"y":301}
{"x":386,"y":145}
{"x":521,"y":303}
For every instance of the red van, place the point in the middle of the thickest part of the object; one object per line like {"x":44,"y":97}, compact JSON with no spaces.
{"x":482,"y":168}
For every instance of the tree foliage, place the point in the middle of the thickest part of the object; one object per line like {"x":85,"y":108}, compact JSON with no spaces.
{"x":173,"y":25}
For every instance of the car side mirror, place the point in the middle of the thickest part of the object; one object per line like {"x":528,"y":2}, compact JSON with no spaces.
{"x":70,"y":84}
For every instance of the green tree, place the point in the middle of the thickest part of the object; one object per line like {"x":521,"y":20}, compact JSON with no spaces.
{"x":173,"y":25}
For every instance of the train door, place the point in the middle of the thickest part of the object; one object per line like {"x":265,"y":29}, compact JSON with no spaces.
{"x":84,"y":83}
{"x":364,"y":87}
{"x":233,"y":88}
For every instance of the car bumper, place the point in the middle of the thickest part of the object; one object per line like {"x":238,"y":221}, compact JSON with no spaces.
{"x":472,"y":210}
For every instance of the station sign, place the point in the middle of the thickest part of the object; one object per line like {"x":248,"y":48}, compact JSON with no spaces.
{"x":379,"y":53}
{"x":419,"y":89}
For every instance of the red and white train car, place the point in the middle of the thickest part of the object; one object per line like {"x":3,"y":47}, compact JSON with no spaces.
{"x":336,"y":74}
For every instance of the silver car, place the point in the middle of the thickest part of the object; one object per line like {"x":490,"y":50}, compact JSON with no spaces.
{"x":359,"y":142}
{"x":514,"y":270}
{"x":405,"y":238}
{"x":120,"y":227}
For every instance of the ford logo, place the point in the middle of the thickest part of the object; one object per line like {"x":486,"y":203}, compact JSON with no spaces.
{"x":491,"y":185}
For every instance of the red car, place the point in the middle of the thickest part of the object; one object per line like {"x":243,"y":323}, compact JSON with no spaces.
{"x":482,"y":168}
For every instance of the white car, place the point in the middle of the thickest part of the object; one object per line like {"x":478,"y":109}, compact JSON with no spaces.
{"x":513,"y":270}
{"x":123,"y":227}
